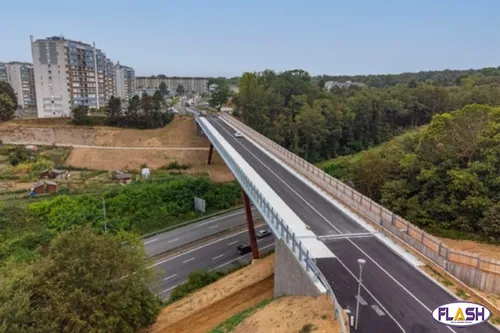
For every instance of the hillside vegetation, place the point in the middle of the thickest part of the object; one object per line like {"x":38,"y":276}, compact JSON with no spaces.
{"x":443,"y":177}
{"x":290,"y":109}
{"x":139,"y":207}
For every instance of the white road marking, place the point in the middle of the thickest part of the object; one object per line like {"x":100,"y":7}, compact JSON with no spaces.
{"x":232,"y":243}
{"x":377,"y":310}
{"x":361,"y":300}
{"x":324,"y":218}
{"x":171,"y":276}
{"x":219,"y":256}
{"x":190,"y":259}
{"x":214,"y":226}
{"x":164,"y":291}
{"x":173,"y":240}
{"x":197,"y":248}
{"x":151,"y":240}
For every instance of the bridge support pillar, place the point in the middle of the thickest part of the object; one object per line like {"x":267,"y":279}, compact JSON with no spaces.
{"x":290,"y":276}
{"x":210,"y":152}
{"x":251,"y":228}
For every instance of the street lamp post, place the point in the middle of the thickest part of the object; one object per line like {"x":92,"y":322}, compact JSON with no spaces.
{"x":361,"y":262}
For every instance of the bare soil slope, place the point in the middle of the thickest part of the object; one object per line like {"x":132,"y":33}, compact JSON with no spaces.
{"x":179,"y":133}
{"x":220,"y":300}
{"x":291,"y":314}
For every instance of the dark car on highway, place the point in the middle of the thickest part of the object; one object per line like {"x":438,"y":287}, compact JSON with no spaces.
{"x":244,"y":249}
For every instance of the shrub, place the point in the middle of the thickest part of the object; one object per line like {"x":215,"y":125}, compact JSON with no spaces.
{"x":196,"y":280}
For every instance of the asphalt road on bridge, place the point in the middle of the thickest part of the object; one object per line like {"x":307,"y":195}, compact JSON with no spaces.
{"x":397,"y":296}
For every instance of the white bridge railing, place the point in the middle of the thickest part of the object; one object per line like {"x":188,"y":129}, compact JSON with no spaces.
{"x":275,"y":221}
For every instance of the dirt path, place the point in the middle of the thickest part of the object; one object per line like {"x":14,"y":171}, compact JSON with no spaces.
{"x":203,"y":321}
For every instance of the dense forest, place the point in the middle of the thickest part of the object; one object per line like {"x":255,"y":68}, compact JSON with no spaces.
{"x":294,"y":112}
{"x":444,"y":78}
{"x":443,"y":177}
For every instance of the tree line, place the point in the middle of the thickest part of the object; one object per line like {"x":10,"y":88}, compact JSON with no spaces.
{"x":144,"y":112}
{"x":292,"y":110}
{"x":443,"y":177}
{"x":444,"y":78}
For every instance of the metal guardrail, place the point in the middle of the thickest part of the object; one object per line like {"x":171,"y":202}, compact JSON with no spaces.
{"x":275,"y":221}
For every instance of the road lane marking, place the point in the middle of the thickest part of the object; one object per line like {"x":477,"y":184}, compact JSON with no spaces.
{"x":171,"y":276}
{"x":232,"y":243}
{"x":239,"y":258}
{"x":219,"y":256}
{"x":151,"y":240}
{"x":197,"y":248}
{"x":361,"y":300}
{"x":214,"y":226}
{"x":164,"y":291}
{"x":173,"y":240}
{"x":185,"y":261}
{"x":377,"y":310}
{"x":338,"y":230}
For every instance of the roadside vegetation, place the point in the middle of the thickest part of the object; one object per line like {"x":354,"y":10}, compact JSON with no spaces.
{"x":230,"y":324}
{"x":85,"y":283}
{"x":443,"y":177}
{"x":140,"y":207}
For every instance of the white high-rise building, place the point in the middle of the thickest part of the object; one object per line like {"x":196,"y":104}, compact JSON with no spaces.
{"x":21,"y":77}
{"x":69,"y":74}
{"x":124,"y":81}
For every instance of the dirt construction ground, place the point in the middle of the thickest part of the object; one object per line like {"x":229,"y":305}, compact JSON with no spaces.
{"x":180,"y":133}
{"x":292,"y":314}
{"x":229,"y":295}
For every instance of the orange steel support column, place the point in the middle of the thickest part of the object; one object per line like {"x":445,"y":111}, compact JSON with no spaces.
{"x":251,"y":229}
{"x":210,"y":153}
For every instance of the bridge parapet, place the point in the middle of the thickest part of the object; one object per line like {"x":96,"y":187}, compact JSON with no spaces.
{"x":282,"y":231}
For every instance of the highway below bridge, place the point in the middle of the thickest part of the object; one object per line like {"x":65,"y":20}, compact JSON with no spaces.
{"x":396,"y":296}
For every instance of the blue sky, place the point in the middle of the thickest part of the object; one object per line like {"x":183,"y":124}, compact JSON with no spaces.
{"x":226,"y":38}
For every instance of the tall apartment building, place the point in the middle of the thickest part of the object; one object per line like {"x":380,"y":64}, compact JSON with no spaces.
{"x":197,"y":84}
{"x":68,"y":74}
{"x":3,"y":72}
{"x":124,"y":81}
{"x":21,"y":77}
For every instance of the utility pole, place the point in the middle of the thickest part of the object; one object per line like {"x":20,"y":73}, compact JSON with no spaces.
{"x":104,"y":212}
{"x":361,"y":263}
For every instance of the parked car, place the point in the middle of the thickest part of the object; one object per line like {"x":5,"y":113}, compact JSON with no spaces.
{"x":263,"y":233}
{"x":244,"y":249}
{"x":238,"y":135}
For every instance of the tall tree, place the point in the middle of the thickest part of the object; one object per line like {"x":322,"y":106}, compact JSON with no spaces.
{"x":163,"y":89}
{"x":81,"y":116}
{"x":7,"y":107}
{"x":114,"y":110}
{"x":88,"y":283}
{"x":180,"y":89}
{"x":6,"y":88}
{"x":220,"y":96}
